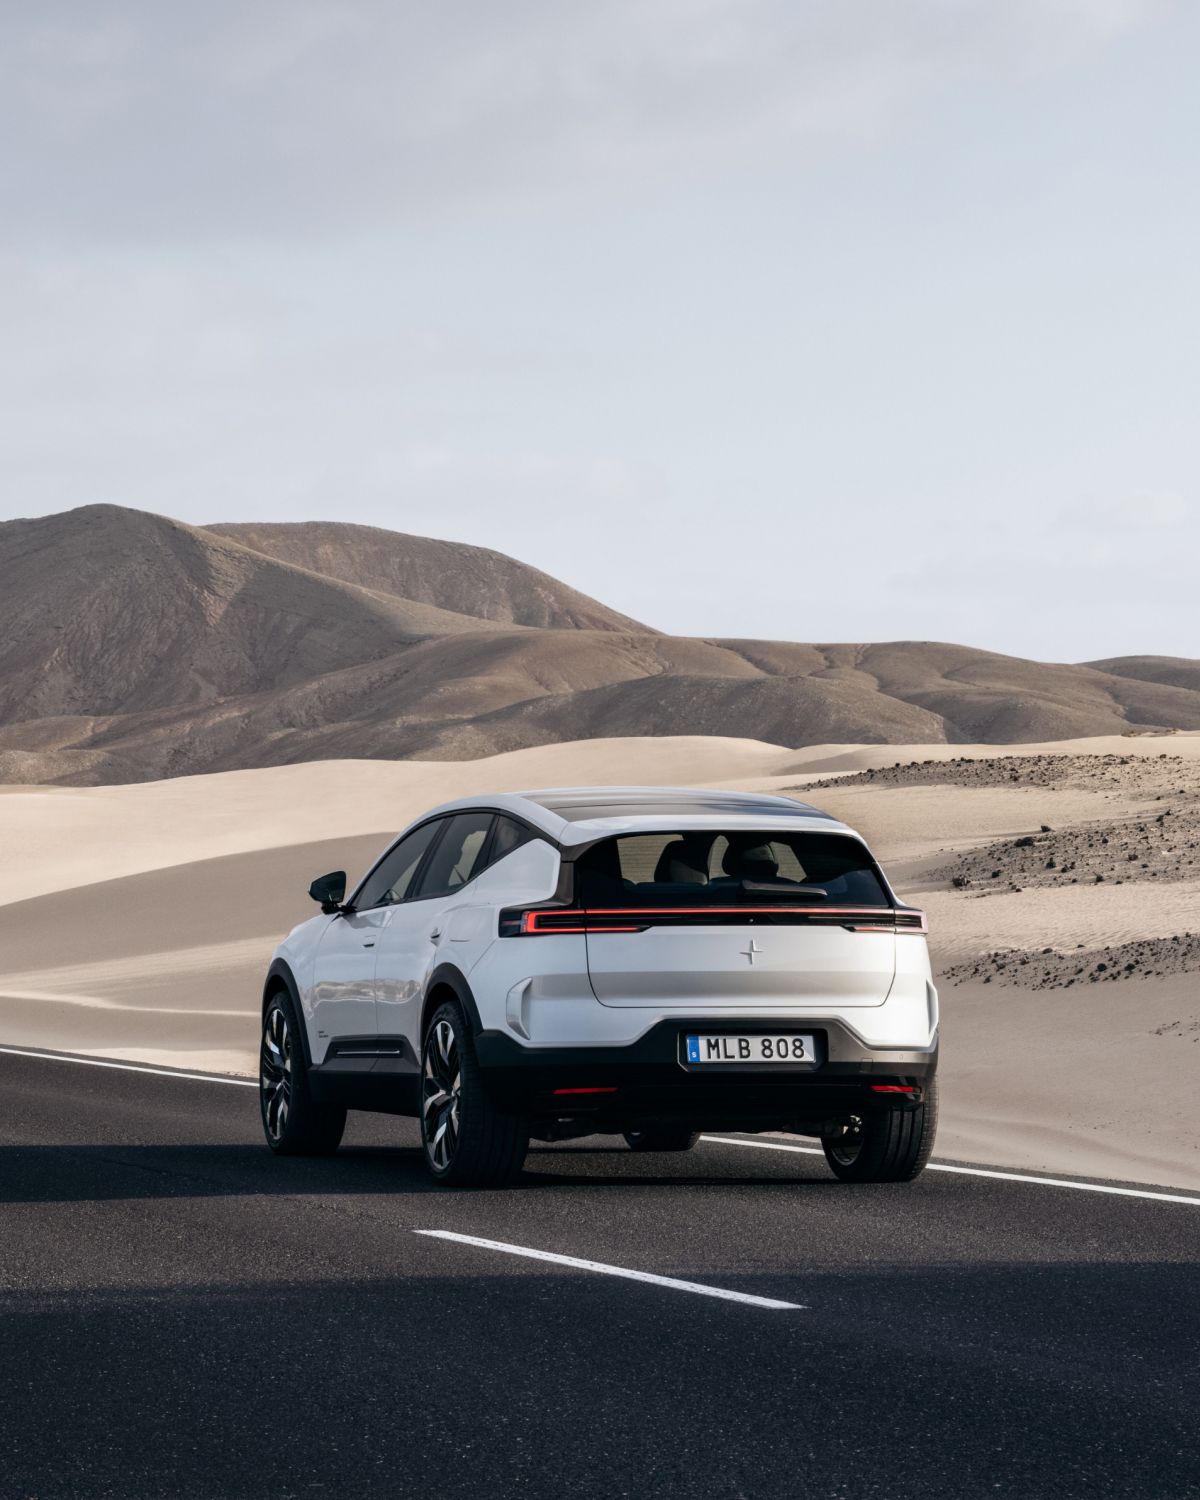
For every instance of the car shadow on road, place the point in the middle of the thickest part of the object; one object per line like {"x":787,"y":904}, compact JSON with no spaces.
{"x":97,"y":1172}
{"x":618,"y":1167}
{"x":70,"y":1173}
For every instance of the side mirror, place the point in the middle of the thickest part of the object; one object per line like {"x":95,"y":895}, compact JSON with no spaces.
{"x":329,"y":891}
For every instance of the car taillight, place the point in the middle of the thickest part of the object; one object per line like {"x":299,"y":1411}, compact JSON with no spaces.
{"x":909,"y":919}
{"x":541,"y":921}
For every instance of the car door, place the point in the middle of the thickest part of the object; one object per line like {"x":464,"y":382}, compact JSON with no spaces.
{"x":344,"y":990}
{"x":420,"y":932}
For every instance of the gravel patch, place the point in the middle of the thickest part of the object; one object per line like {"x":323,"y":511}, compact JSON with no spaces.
{"x":1053,"y":969}
{"x":1157,"y":839}
{"x":1136,"y":776}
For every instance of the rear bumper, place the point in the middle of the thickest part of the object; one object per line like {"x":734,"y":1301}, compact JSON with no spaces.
{"x":650,"y":1079}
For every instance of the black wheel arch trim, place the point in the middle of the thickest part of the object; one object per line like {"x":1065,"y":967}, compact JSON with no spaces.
{"x":450,"y":976}
{"x":281,"y":969}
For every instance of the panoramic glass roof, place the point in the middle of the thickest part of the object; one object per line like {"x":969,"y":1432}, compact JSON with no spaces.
{"x":576,"y":807}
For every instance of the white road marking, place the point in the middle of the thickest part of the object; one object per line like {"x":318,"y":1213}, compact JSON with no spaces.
{"x":940,"y":1166}
{"x":605,"y":1270}
{"x":123,"y":1067}
{"x":98,"y":1002}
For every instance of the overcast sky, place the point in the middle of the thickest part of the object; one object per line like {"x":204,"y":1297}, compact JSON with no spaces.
{"x":854,"y":320}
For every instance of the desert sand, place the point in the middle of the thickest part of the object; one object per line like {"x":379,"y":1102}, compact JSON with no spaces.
{"x":136,"y":921}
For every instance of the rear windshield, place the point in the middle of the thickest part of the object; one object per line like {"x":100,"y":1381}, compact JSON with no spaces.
{"x":735,"y":868}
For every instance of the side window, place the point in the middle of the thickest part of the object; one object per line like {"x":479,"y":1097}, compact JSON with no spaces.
{"x":456,"y":857}
{"x":392,"y":877}
{"x":509,"y":835}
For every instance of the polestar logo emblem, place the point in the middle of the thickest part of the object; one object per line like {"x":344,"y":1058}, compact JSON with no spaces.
{"x":751,"y":950}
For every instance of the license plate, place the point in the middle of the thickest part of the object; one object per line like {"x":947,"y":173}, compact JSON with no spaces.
{"x":777,"y":1047}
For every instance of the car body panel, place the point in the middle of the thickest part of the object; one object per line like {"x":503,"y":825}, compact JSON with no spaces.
{"x":342,"y":999}
{"x":703,"y":967}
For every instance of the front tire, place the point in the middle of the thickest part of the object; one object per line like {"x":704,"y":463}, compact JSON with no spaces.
{"x":892,"y":1146}
{"x":293,"y":1122}
{"x":466,"y":1140}
{"x":662,"y":1138}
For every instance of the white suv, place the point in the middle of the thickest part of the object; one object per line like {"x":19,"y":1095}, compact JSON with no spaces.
{"x":649,"y":962}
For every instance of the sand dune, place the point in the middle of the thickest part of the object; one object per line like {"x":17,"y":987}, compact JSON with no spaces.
{"x":1098,"y":1080}
{"x":138,"y":918}
{"x":59,"y":837}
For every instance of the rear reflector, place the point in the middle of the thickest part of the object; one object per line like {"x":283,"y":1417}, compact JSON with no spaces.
{"x":893,"y":1088}
{"x":559,"y":1092}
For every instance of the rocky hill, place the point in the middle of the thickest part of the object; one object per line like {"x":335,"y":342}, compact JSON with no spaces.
{"x":472,"y":581}
{"x":134,"y":647}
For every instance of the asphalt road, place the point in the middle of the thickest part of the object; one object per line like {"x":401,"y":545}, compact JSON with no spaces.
{"x":184,"y":1315}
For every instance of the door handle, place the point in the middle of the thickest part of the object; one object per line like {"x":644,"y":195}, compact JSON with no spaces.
{"x":368,"y":943}
{"x":435,"y":934}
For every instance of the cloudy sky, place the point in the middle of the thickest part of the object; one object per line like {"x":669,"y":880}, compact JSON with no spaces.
{"x":812,"y":319}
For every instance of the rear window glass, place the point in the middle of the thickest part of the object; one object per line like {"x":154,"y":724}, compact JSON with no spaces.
{"x":734,"y":868}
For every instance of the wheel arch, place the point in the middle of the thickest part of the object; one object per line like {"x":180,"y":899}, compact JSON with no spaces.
{"x":448,"y":982}
{"x":280,"y":979}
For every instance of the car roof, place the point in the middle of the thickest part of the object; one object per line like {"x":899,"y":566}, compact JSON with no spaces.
{"x":580,"y":815}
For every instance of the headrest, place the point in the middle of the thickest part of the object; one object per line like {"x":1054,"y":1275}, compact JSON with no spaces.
{"x":681,"y":864}
{"x":750,"y":862}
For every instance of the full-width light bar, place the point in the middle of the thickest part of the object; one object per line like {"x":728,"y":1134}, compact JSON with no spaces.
{"x":545,"y":921}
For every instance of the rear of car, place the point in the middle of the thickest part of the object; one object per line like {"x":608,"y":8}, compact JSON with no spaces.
{"x":645,"y":962}
{"x":747,"y":968}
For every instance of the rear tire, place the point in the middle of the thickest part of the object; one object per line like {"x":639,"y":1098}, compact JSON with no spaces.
{"x":662,"y":1138}
{"x":892,"y":1146}
{"x":466,"y":1140}
{"x":293,"y":1122}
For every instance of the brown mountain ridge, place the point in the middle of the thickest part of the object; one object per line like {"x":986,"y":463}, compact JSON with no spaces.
{"x":134,"y":647}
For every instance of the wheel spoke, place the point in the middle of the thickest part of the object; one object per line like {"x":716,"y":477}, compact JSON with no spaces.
{"x":441,"y":1083}
{"x":275,"y":1070}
